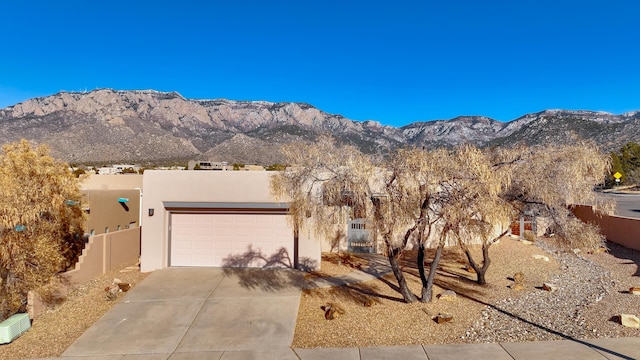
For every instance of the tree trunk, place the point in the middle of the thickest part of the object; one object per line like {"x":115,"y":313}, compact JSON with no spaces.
{"x":427,"y":284}
{"x":423,"y":278}
{"x":393,"y":256}
{"x":422,"y":225}
{"x":296,"y":240}
{"x":393,"y":253}
{"x":486,"y":261}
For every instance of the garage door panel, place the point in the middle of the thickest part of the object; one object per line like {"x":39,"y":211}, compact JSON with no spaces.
{"x":228,"y":239}
{"x":202,"y":246}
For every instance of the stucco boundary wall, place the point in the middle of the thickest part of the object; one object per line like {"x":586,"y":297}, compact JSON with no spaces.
{"x":101,"y":254}
{"x":105,"y":252}
{"x":620,"y":230}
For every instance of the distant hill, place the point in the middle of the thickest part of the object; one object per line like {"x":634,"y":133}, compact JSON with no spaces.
{"x":150,"y":126}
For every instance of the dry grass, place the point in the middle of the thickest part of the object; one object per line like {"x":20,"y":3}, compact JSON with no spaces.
{"x":390,"y":321}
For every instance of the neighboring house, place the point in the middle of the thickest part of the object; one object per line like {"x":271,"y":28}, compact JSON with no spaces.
{"x":112,"y":202}
{"x":118,"y":169}
{"x":209,"y":165}
{"x":219,"y":218}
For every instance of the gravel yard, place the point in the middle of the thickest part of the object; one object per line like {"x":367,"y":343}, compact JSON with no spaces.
{"x":56,"y":329}
{"x":591,"y":290}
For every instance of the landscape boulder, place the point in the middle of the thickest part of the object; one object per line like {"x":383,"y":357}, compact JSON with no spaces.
{"x":448,"y":295}
{"x":518,"y":277}
{"x":517,"y":286}
{"x":332,"y":311}
{"x":35,"y":304}
{"x":628,"y":320}
{"x":112,"y":292}
{"x":443,"y":318}
{"x":549,"y":287}
{"x":518,"y":281}
{"x":541,"y":257}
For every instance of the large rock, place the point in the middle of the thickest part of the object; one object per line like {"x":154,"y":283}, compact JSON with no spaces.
{"x":549,"y":287}
{"x":112,"y":292}
{"x":124,"y":287}
{"x":518,"y":277}
{"x":448,"y":295}
{"x":628,"y":320}
{"x":518,"y":281}
{"x":443,"y":318}
{"x":35,"y":304}
{"x":332,"y":311}
{"x":517,"y":286}
{"x":541,"y":257}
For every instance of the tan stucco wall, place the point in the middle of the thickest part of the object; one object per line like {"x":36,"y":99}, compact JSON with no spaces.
{"x":104,"y":253}
{"x":112,"y":182}
{"x":106,"y":212}
{"x":202,"y":186}
{"x":101,"y":192}
{"x":620,"y":230}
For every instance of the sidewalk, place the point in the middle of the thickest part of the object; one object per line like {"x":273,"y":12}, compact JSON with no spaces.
{"x":597,"y":349}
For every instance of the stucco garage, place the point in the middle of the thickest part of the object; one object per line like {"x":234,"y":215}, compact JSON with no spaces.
{"x":219,"y":218}
{"x":241,"y":239}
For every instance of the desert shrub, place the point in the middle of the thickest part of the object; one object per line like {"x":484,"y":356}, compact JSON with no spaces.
{"x":40,"y":222}
{"x":529,"y":235}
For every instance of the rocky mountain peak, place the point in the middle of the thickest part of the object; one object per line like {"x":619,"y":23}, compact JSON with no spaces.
{"x":108,"y":125}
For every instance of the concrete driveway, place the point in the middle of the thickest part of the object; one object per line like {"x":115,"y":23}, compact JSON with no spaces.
{"x":199,"y":313}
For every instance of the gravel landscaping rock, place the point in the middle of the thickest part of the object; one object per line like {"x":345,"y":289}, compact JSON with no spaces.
{"x":547,"y":315}
{"x":57,"y":328}
{"x":591,"y":291}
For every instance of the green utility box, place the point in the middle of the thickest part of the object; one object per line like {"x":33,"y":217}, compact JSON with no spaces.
{"x":14,"y":327}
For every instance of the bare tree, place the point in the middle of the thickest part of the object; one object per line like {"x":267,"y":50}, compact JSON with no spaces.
{"x":474,"y":212}
{"x":327,"y":184}
{"x":539,"y":181}
{"x":414,"y":195}
{"x":547,"y":180}
{"x":464,"y":197}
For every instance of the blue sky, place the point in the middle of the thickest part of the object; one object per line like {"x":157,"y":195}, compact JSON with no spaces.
{"x":394,"y":62}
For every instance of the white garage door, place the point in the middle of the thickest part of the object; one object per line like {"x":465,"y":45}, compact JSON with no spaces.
{"x":245,"y":240}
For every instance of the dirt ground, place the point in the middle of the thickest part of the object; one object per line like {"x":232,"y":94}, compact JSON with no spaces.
{"x":54,"y":331}
{"x":375,"y":315}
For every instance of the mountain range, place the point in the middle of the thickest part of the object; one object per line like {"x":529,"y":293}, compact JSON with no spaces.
{"x":147,"y":126}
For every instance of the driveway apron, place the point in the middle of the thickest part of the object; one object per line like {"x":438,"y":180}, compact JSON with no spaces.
{"x":198,"y":310}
